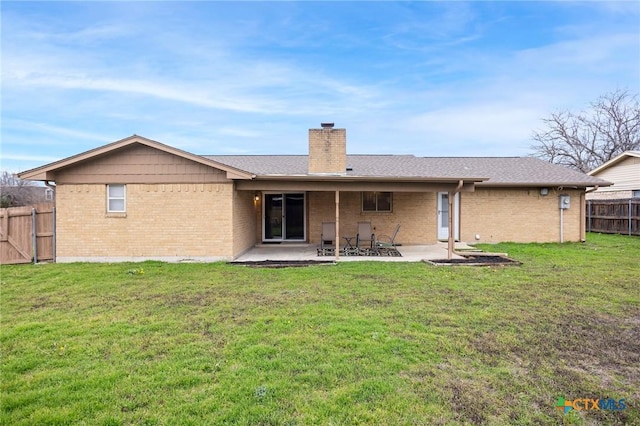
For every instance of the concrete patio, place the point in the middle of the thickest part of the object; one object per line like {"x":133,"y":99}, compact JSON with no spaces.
{"x":302,"y":252}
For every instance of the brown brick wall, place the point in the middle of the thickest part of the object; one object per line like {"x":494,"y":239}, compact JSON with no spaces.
{"x":519,"y":215}
{"x":162,"y":221}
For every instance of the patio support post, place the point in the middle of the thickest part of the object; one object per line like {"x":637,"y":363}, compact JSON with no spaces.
{"x":451,"y":240}
{"x":337,"y":241}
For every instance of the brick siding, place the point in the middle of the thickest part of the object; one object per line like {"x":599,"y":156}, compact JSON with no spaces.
{"x":245,"y":221}
{"x":161,"y":221}
{"x":518,"y":215}
{"x":416,"y":212}
{"x":328,"y":151}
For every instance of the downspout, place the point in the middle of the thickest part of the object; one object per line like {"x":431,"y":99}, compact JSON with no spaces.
{"x":561,"y":225}
{"x":451,"y":240}
{"x":583,"y":215}
{"x":337,"y":241}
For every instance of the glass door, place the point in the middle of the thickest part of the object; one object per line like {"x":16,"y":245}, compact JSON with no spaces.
{"x":284,"y":216}
{"x":273,"y":216}
{"x":443,"y":216}
{"x":294,"y":217}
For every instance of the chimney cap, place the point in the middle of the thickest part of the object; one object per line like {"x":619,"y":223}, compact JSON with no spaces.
{"x":327,"y":125}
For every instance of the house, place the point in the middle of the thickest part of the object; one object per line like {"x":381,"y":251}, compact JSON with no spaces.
{"x":139,"y":199}
{"x":624,"y":172}
{"x":24,"y":195}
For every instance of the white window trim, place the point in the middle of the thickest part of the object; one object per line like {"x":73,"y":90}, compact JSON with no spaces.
{"x":123,"y":198}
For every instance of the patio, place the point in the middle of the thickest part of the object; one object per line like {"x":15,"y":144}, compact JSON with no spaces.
{"x":308,"y":252}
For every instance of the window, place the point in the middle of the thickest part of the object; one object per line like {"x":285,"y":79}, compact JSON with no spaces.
{"x":116,"y":199}
{"x":635,"y":193}
{"x":376,"y":201}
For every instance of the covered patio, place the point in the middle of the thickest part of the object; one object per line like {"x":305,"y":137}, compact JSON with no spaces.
{"x":308,"y":252}
{"x":338,"y":199}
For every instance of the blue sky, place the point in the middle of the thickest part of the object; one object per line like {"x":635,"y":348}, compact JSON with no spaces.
{"x":423,"y":78}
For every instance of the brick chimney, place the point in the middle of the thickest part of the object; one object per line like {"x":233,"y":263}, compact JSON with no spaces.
{"x":327,"y":150}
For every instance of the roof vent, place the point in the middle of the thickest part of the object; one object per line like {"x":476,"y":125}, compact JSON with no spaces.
{"x":349,"y":168}
{"x":327,"y":125}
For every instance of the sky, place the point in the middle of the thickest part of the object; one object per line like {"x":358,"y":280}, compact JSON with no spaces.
{"x":423,"y":78}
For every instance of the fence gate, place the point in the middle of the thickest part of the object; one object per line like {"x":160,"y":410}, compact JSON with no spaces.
{"x":27,"y":234}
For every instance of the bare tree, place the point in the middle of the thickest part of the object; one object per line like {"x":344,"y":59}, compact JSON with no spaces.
{"x":586,"y":140}
{"x":15,"y":191}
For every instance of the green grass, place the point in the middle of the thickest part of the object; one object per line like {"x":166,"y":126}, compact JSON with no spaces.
{"x":355,"y":343}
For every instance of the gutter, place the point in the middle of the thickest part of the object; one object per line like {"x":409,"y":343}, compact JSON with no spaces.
{"x":595,"y":188}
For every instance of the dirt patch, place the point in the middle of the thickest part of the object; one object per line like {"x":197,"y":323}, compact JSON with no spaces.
{"x":470,"y":400}
{"x":476,"y":260}
{"x":283,"y":263}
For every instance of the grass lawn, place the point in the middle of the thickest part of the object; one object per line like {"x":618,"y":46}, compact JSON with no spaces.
{"x":354,"y":343}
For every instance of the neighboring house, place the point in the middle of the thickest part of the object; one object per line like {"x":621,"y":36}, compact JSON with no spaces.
{"x":624,"y":172}
{"x":139,"y":199}
{"x":24,"y":195}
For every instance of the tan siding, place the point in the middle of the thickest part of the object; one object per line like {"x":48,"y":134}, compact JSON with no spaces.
{"x":625,"y":177}
{"x":139,"y":164}
{"x":244,"y":221}
{"x":609,"y":195}
{"x":162,"y":221}
{"x":519,"y":215}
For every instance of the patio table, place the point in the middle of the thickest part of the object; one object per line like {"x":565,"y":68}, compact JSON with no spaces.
{"x":349,"y":249}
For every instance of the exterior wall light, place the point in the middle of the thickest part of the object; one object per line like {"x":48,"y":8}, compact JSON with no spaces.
{"x":544,"y":191}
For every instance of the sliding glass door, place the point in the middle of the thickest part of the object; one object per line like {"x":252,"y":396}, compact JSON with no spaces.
{"x":284,"y":216}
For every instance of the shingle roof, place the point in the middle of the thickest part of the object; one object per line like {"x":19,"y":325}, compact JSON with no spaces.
{"x":518,"y":171}
{"x":502,"y":171}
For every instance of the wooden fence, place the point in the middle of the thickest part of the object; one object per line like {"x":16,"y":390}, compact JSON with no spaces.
{"x":614,"y":216}
{"x":27,"y":234}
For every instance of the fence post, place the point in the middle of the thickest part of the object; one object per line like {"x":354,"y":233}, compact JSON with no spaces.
{"x":34,"y":231}
{"x":629,"y":216}
{"x":53,"y":242}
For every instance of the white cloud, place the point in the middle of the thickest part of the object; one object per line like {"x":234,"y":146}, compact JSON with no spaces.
{"x":39,"y":127}
{"x":30,"y":158}
{"x":490,"y":127}
{"x":424,"y":78}
{"x":240,"y":132}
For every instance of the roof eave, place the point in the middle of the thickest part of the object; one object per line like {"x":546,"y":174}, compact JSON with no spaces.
{"x":613,"y":162}
{"x":544,"y":184}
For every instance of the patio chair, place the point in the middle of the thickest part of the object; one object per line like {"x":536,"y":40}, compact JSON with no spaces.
{"x":364,"y":235}
{"x":386,"y":245}
{"x":327,"y":239}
